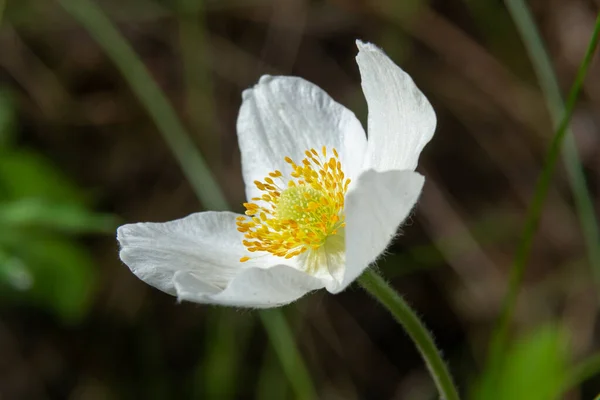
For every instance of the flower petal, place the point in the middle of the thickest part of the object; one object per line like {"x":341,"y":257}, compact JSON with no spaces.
{"x":207,"y":244}
{"x":375,"y":207}
{"x":401,"y":120}
{"x":253,"y":287}
{"x":285,"y":116}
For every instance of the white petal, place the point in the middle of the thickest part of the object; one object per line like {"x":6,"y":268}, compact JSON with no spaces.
{"x":328,"y":262}
{"x":401,"y":120}
{"x":253,"y":287}
{"x":375,"y":207}
{"x":206,"y":243}
{"x":284,"y":116}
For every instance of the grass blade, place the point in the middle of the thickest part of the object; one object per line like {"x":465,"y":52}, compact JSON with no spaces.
{"x":200,"y":107}
{"x":561,"y":115}
{"x":195,"y":169}
{"x":282,"y":340}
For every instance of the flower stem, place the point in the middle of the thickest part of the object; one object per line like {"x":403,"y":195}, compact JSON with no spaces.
{"x":373,"y":283}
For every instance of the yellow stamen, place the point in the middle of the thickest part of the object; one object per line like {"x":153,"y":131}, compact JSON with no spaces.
{"x":300,"y":216}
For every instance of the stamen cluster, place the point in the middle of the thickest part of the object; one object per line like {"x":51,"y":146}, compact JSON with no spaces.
{"x":289,"y":219}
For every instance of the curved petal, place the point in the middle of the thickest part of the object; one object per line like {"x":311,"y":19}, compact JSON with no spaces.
{"x":375,"y":207}
{"x":207,"y":244}
{"x":253,"y":287}
{"x":401,"y":120}
{"x":284,"y":116}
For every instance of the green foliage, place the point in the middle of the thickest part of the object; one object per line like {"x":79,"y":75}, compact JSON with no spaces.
{"x":39,"y":263}
{"x":535,"y":368}
{"x":50,"y":272}
{"x":25,"y":174}
{"x":40,"y":213}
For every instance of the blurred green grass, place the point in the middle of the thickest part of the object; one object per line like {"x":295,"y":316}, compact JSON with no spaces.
{"x":40,"y":210}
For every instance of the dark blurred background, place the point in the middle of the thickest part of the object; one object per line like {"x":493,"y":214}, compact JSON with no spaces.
{"x":79,"y":154}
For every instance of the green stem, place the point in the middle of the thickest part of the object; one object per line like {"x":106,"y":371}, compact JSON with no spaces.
{"x":195,"y":169}
{"x":584,"y":205}
{"x":373,"y":283}
{"x":282,"y":340}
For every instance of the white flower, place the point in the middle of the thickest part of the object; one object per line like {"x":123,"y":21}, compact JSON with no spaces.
{"x":323,"y":202}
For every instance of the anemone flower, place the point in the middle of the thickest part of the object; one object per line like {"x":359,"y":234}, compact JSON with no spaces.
{"x":323,"y":202}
